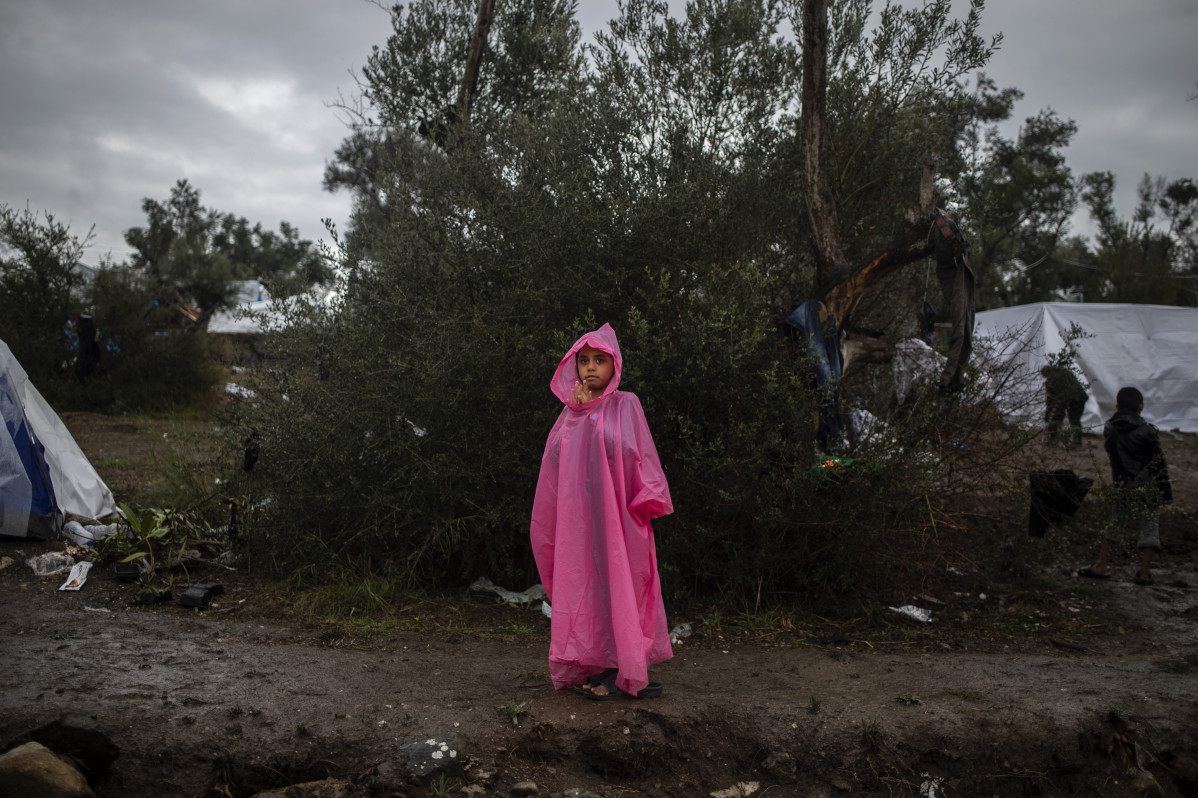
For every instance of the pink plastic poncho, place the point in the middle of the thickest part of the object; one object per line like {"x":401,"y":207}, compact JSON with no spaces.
{"x":600,"y":484}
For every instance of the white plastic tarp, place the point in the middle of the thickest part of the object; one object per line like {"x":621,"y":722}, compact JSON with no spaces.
{"x":256,"y":310}
{"x":1151,"y":347}
{"x":246,"y":318}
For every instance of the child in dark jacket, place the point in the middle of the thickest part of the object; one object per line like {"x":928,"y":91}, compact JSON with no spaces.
{"x":1141,"y":479}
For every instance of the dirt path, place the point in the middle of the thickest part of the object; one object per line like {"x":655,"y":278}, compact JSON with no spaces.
{"x":201,"y":702}
{"x":1049,"y":685}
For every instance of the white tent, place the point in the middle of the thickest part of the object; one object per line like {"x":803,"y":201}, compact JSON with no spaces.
{"x":35,"y":438}
{"x":256,"y":311}
{"x":1151,"y":347}
{"x":253,"y":305}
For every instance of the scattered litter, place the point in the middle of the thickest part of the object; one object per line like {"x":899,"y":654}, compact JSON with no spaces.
{"x":52,"y":562}
{"x":199,"y":595}
{"x":127,"y":571}
{"x":679,"y":633}
{"x":233,"y":389}
{"x":955,"y":571}
{"x":742,"y":790}
{"x":546,"y":610}
{"x":913,"y":612}
{"x":87,"y":536}
{"x":930,"y":786}
{"x":97,"y":609}
{"x":511,"y":597}
{"x":77,"y":576}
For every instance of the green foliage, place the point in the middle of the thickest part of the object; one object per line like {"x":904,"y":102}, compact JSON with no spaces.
{"x":1017,"y":196}
{"x":152,"y":358}
{"x":514,"y":710}
{"x":1136,"y":261}
{"x":39,"y":285}
{"x":652,"y":186}
{"x":187,"y":253}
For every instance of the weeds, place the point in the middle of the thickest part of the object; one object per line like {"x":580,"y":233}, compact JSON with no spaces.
{"x":814,"y":705}
{"x":350,"y":596}
{"x":870,"y":732}
{"x":908,"y":700}
{"x":514,"y":710}
{"x":441,"y":789}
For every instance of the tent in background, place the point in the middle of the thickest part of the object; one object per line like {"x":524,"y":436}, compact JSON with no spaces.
{"x":1153,"y":347}
{"x":43,"y":472}
{"x":245,"y":317}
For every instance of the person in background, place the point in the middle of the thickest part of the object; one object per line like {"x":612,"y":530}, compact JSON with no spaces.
{"x":1064,"y":395}
{"x":1141,"y":478}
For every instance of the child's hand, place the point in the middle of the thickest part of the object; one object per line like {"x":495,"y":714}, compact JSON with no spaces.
{"x":580,"y":394}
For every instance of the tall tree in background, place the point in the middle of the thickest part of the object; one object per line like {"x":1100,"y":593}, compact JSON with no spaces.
{"x":1136,"y":261}
{"x":651,"y":179}
{"x":1016,"y":198}
{"x":879,"y":113}
{"x":39,"y":289}
{"x":192,"y":254}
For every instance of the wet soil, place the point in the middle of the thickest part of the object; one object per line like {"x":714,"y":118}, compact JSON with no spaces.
{"x":1027,"y":682}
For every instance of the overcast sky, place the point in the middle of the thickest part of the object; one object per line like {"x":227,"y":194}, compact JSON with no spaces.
{"x":106,"y":102}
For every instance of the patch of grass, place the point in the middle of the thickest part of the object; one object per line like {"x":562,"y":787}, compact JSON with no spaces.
{"x":353,"y":597}
{"x":111,"y":462}
{"x":870,"y":731}
{"x":766,"y":620}
{"x":372,"y":628}
{"x":442,"y":788}
{"x":712,"y":622}
{"x":188,"y":460}
{"x":814,"y":705}
{"x":908,"y":700}
{"x":521,"y":629}
{"x":234,"y":712}
{"x":1117,"y":715}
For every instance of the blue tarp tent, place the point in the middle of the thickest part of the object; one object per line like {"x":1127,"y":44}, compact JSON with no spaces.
{"x":44,"y":475}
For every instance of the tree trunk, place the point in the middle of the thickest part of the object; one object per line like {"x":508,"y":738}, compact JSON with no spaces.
{"x":478,"y":42}
{"x":840,"y":286}
{"x":831,"y":266}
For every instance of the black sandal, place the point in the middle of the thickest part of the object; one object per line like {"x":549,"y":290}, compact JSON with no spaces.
{"x":611,"y":692}
{"x":594,"y":680}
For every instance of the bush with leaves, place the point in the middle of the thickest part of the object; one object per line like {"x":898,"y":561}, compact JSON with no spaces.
{"x":402,"y":429}
{"x":39,"y":283}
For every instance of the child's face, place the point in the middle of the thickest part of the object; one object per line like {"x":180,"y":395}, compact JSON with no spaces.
{"x":595,"y":369}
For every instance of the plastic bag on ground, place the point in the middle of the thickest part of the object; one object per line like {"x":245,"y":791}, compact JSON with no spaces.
{"x":511,"y":597}
{"x":52,"y":562}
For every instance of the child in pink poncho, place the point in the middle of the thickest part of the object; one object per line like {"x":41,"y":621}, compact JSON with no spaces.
{"x":600,"y":484}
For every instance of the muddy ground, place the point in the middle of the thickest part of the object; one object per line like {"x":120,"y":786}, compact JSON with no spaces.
{"x":1027,"y":683}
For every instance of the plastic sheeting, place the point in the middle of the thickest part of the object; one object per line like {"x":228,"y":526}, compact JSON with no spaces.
{"x":77,"y":488}
{"x":1151,"y":347}
{"x":600,"y":484}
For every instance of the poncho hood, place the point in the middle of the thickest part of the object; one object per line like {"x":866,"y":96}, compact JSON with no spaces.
{"x":603,"y":339}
